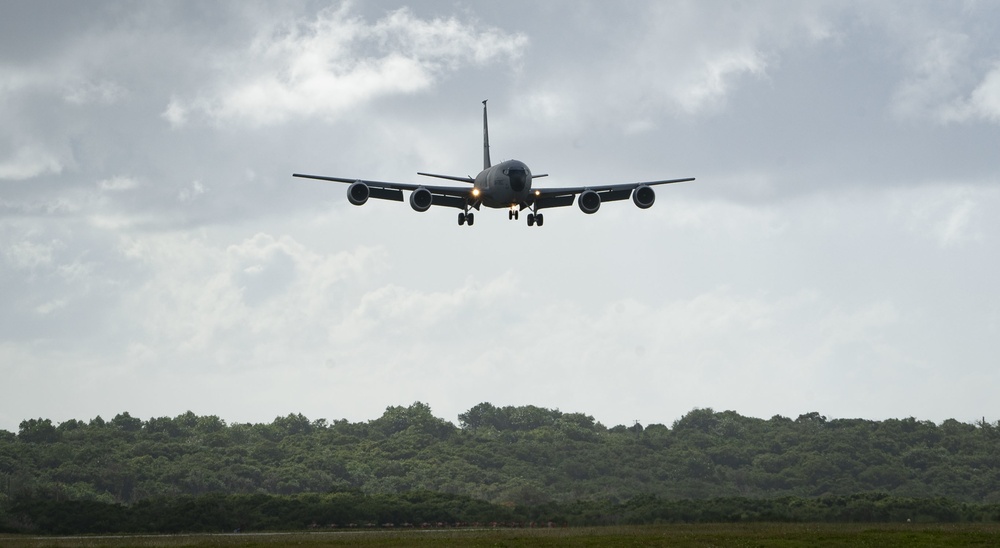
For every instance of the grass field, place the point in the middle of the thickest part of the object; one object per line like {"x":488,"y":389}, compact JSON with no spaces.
{"x":701,"y":536}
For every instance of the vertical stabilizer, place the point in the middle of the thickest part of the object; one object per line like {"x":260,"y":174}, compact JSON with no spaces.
{"x":486,"y":140}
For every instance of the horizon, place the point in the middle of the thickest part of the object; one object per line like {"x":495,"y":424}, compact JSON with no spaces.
{"x":457,"y":423}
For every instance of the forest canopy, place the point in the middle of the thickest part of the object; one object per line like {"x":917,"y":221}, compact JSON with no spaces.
{"x":522,"y":455}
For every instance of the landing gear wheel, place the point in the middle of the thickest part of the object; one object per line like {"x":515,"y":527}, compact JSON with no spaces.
{"x":531,"y":219}
{"x":470,"y":218}
{"x":515,"y":214}
{"x":539,"y":219}
{"x":461,"y":219}
{"x":510,"y":215}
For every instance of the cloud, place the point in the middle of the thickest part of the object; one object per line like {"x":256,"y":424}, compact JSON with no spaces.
{"x":117,"y":184}
{"x":949,"y":215}
{"x":29,"y":162}
{"x":50,"y":306}
{"x":28,"y":254}
{"x":338,"y":61}
{"x":983,"y":103}
{"x":935,"y":67}
{"x":102,"y":92}
{"x":176,"y":113}
{"x":239,"y":306}
{"x":952,"y":74}
{"x":721,"y":347}
{"x":986,"y":97}
{"x":678,"y":59}
{"x":411,"y":316}
{"x":707,"y":87}
{"x":192,"y":191}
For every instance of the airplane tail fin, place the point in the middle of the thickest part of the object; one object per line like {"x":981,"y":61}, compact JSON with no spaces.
{"x":486,"y":140}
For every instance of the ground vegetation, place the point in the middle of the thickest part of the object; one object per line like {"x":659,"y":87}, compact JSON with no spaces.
{"x":520,"y":464}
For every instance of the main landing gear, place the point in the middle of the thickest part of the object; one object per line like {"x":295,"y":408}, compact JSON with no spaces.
{"x":535,"y":219}
{"x":512,"y":214}
{"x":464,"y":218}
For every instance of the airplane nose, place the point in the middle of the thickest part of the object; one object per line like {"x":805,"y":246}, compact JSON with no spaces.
{"x":518,"y":180}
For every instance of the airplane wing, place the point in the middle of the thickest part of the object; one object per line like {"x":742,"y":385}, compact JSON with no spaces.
{"x":450,"y":196}
{"x":564,"y":196}
{"x":443,"y":190}
{"x":466,"y":179}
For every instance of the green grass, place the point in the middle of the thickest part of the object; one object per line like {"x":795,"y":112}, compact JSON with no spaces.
{"x":701,"y":536}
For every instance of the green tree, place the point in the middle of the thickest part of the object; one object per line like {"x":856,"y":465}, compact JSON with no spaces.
{"x":38,"y":431}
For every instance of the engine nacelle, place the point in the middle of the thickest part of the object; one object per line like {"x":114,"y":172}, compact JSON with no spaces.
{"x":358,"y":193}
{"x":643,"y":196}
{"x":421,"y":199}
{"x":589,"y":201}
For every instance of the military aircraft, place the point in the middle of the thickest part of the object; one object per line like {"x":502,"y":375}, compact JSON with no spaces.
{"x":505,"y":185}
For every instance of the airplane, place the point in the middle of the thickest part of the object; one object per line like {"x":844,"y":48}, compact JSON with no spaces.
{"x":505,"y":185}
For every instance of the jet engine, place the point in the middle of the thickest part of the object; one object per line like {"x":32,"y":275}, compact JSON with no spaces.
{"x":421,"y":199}
{"x":358,"y":193}
{"x":589,"y":201}
{"x":643,"y":196}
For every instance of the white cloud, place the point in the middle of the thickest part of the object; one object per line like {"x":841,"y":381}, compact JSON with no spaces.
{"x":938,"y":66}
{"x":680,"y":58}
{"x":338,"y":61}
{"x":29,"y":162}
{"x":705,"y":88}
{"x":840,"y":329}
{"x":412,"y":317}
{"x":191,"y":192}
{"x":719,"y":348}
{"x":952,"y":73}
{"x":29,"y":255}
{"x":983,"y":103}
{"x":50,"y":306}
{"x":18,"y":79}
{"x":986,"y":97}
{"x":118,"y":183}
{"x":242,"y":305}
{"x":947,"y":214}
{"x":728,"y":219}
{"x":176,"y":113}
{"x":103,"y":92}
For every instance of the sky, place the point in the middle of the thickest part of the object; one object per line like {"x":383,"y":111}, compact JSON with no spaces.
{"x":837,"y":253}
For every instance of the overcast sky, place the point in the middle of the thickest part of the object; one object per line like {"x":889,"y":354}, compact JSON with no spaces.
{"x":838,"y":252}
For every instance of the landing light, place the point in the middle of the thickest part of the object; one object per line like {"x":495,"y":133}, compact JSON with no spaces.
{"x":475,"y":192}
{"x":538,"y":193}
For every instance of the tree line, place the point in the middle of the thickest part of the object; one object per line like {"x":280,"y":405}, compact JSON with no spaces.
{"x":517,"y":457}
{"x":353,"y":510}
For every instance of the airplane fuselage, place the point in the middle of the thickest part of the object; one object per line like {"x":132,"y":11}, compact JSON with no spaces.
{"x":506,"y":184}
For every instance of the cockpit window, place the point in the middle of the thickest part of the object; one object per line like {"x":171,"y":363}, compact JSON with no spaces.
{"x":518,"y":179}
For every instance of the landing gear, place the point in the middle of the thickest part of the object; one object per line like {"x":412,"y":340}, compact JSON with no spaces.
{"x":512,"y":214}
{"x":464,"y":218}
{"x":535,"y":219}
